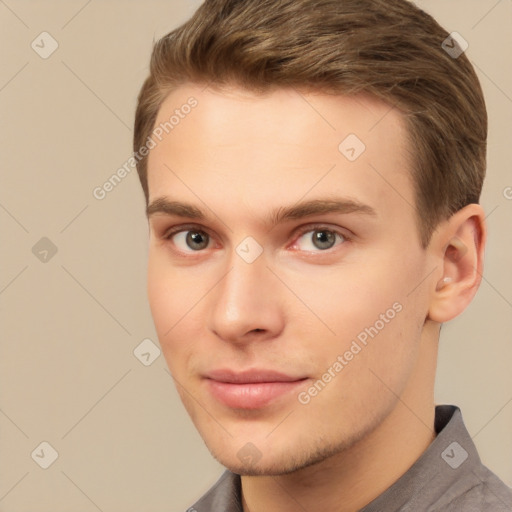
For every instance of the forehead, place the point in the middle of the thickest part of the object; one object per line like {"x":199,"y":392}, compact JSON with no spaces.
{"x":277,"y":147}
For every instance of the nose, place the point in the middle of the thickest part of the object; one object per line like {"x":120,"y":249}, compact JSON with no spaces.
{"x":247,"y":304}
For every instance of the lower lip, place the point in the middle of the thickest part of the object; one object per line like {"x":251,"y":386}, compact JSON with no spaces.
{"x":251,"y":396}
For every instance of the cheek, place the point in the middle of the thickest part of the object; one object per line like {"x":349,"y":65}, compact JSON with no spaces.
{"x":172,"y":291}
{"x":380,"y":280}
{"x":384,"y":318}
{"x":162,"y":295}
{"x":378,"y":356}
{"x":346,"y":301}
{"x":375,"y":309}
{"x":171,"y":298}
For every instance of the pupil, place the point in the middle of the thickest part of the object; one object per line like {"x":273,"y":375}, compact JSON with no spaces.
{"x":197,"y":240}
{"x":323,"y":239}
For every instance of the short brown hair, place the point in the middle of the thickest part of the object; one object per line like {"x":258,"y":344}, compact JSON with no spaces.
{"x":388,"y":48}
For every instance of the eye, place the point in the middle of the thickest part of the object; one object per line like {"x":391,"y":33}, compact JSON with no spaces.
{"x":319,"y":238}
{"x":192,"y":239}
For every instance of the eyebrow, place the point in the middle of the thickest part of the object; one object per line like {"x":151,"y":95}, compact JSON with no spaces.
{"x":164,"y":206}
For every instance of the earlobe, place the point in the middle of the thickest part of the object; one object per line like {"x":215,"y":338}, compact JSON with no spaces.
{"x":459,"y":243}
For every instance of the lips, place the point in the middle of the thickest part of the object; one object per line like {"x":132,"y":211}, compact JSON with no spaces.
{"x":251,"y":389}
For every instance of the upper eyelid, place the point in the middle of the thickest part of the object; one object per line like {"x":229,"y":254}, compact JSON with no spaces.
{"x":299,"y":230}
{"x":174,"y":230}
{"x":323,"y":227}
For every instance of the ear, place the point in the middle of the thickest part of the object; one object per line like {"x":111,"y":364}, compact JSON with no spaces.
{"x":459,"y":245}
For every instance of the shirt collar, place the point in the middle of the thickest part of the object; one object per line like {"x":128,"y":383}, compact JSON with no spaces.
{"x":450,"y":462}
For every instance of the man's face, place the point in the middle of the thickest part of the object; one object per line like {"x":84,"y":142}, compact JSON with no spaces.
{"x":291,"y":311}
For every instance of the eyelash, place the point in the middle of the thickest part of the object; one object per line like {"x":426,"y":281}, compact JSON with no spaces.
{"x":322,"y":227}
{"x":297,"y":234}
{"x":180,"y":229}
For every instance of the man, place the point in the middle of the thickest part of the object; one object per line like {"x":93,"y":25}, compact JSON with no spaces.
{"x":312,"y":171}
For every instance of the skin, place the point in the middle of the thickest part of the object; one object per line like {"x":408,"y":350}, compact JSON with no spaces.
{"x":239,"y":157}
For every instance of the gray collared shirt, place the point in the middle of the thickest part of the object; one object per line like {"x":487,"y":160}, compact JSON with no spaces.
{"x":448,"y":477}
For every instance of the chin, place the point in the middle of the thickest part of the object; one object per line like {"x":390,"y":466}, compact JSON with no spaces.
{"x":269,"y":468}
{"x":284,"y":463}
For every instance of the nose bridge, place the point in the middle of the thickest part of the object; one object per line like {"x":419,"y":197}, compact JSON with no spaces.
{"x":245,"y":282}
{"x":245,"y":299}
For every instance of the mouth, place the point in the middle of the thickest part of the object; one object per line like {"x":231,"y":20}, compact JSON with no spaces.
{"x":251,"y":389}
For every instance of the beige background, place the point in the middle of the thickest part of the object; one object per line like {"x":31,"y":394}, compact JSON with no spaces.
{"x":68,"y":374}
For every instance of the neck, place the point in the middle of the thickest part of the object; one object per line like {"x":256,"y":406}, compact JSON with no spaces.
{"x":349,"y":480}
